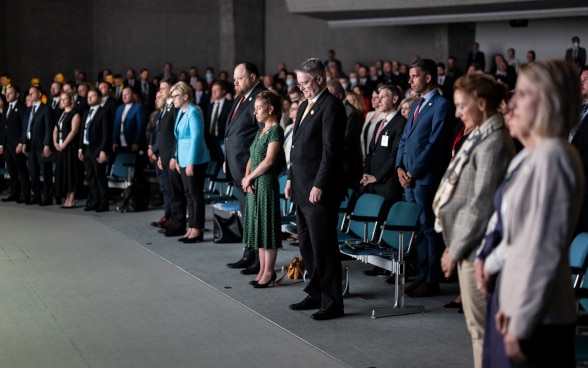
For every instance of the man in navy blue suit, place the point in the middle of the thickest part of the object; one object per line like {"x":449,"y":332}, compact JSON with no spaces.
{"x":423,"y":154}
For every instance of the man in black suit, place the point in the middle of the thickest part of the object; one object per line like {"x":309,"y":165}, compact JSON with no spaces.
{"x":36,"y":139}
{"x":216,"y":120}
{"x":316,"y":186}
{"x":108,"y":103}
{"x":132,"y":81}
{"x":95,"y":140}
{"x":240,"y":131}
{"x":379,"y":172}
{"x":167,"y":148}
{"x":11,"y":127}
{"x":579,"y":138}
{"x":352,"y":156}
{"x":147,"y":90}
{"x":445,"y":82}
{"x":476,"y":56}
{"x":55,"y":90}
{"x":576,"y":54}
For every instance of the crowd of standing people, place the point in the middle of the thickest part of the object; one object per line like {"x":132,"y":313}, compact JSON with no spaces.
{"x":423,"y":132}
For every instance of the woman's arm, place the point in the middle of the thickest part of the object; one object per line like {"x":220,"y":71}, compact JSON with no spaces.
{"x":75,"y":127}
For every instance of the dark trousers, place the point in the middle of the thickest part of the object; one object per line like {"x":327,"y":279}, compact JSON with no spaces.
{"x":162,"y":180}
{"x":549,"y":346}
{"x":20,"y":185}
{"x":175,"y":190}
{"x":194,"y":191}
{"x":97,"y":182}
{"x":317,"y":239}
{"x":430,"y":243}
{"x":40,"y":166}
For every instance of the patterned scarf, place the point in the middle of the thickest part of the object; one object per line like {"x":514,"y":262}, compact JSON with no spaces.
{"x":453,"y":172}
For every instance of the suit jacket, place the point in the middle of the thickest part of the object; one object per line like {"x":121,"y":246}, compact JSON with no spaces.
{"x":425,"y":147}
{"x":41,"y":133}
{"x":542,"y":208}
{"x":315,"y":155}
{"x":154,"y":137}
{"x":447,"y":87}
{"x":11,"y":127}
{"x":136,"y":85}
{"x":239,"y":134}
{"x":189,"y":131}
{"x":148,"y":96}
{"x":580,"y":141}
{"x":222,"y":118}
{"x":465,"y":216}
{"x":82,"y":106}
{"x":381,"y":158}
{"x":477,"y":57}
{"x":352,"y":157}
{"x":134,"y":125}
{"x":167,"y":137}
{"x":99,"y":134}
{"x":110,"y":108}
{"x":581,"y":55}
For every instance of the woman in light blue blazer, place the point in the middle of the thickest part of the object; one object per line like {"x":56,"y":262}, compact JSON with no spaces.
{"x":191,"y":158}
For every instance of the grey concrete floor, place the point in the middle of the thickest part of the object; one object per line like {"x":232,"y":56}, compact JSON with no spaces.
{"x":82,"y":289}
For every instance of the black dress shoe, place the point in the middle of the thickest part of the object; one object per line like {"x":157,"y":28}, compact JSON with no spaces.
{"x":87,"y":209}
{"x":10,"y":199}
{"x":251,"y":270}
{"x":242,"y":263}
{"x":325,"y":314}
{"x":34,"y":201}
{"x":305,"y":304}
{"x":102,"y":209}
{"x":46,"y":203}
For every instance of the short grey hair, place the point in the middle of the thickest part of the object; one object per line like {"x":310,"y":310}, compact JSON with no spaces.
{"x":313,"y":67}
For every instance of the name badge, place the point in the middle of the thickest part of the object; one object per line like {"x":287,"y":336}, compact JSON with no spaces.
{"x":384,"y":141}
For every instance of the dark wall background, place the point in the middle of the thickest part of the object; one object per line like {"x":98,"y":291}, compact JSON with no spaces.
{"x":42,"y":37}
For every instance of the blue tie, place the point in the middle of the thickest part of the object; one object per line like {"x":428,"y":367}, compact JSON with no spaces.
{"x":88,"y":124}
{"x":31,"y":115}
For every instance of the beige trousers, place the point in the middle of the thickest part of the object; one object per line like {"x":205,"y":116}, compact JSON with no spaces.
{"x":474,"y":308}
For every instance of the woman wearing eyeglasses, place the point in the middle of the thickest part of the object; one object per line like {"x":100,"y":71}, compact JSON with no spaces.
{"x":191,"y":158}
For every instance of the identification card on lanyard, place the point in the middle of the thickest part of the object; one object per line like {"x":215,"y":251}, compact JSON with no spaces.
{"x":385,"y":140}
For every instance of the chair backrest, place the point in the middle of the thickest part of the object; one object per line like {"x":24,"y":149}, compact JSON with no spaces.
{"x":368,"y":205}
{"x":123,"y":164}
{"x":402,"y":214}
{"x":579,"y":258}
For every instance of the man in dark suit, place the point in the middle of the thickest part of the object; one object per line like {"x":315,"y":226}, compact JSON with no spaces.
{"x":476,"y":56}
{"x":107,"y":103}
{"x":352,"y":156}
{"x":423,"y":155}
{"x":55,"y":90}
{"x":216,"y":120}
{"x":132,"y":81}
{"x":579,"y":138}
{"x":379,"y":172}
{"x":576,"y":54}
{"x":129,"y":125}
{"x":147,"y":91}
{"x":11,"y":127}
{"x":95,"y":139}
{"x":316,"y":186}
{"x":240,"y":131}
{"x":36,"y":139}
{"x":445,"y":82}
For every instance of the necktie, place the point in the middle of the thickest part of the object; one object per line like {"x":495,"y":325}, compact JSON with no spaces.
{"x":88,"y":124}
{"x":380,"y":129}
{"x":307,"y":110}
{"x":237,"y":108}
{"x":214,"y":123}
{"x":9,"y":110}
{"x":53,"y":104}
{"x":31,"y":115}
{"x":416,"y":112}
{"x":577,"y":126}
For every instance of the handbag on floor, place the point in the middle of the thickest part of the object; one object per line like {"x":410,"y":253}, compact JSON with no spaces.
{"x":227,"y":229}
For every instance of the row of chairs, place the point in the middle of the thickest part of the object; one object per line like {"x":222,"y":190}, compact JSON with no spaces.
{"x":579,"y":267}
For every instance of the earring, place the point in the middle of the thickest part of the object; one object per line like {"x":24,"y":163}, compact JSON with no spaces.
{"x":270,"y":113}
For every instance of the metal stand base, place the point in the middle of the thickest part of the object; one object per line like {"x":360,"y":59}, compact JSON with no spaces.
{"x":390,"y":312}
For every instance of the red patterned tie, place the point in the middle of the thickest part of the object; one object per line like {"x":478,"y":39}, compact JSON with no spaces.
{"x":416,"y":112}
{"x":237,"y":108}
{"x":380,"y":129}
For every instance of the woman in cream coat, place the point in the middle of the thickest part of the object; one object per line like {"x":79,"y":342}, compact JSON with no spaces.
{"x":463,"y":203}
{"x":191,"y":158}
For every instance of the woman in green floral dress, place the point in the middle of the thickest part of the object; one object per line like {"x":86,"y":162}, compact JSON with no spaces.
{"x":262,"y":212}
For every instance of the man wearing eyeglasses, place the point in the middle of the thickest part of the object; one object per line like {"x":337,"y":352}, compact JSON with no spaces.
{"x":316,"y":185}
